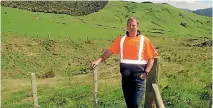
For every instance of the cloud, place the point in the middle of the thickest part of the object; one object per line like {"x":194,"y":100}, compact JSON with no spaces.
{"x":186,"y":4}
{"x":193,"y":5}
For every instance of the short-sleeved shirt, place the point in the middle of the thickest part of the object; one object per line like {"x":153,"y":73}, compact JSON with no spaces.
{"x":131,"y":48}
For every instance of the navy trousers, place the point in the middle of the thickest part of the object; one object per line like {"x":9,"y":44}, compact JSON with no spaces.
{"x":132,"y":84}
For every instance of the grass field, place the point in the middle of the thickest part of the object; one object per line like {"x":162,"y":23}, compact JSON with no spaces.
{"x":62,"y":46}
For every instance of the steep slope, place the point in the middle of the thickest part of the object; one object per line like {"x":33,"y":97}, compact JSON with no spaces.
{"x":155,"y":19}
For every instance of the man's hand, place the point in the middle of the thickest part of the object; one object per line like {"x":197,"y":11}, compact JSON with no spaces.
{"x":144,"y":76}
{"x":106,"y":54}
{"x":95,"y":63}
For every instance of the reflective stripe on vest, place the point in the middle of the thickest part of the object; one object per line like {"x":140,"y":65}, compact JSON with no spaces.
{"x":139,"y":61}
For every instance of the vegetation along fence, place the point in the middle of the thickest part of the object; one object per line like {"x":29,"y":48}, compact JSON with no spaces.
{"x":152,"y":95}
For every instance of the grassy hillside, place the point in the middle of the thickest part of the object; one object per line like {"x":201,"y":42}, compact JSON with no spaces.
{"x":59,"y":48}
{"x":156,"y":19}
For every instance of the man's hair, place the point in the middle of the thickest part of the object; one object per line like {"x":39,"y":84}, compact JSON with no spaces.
{"x":132,"y":19}
{"x":138,"y":33}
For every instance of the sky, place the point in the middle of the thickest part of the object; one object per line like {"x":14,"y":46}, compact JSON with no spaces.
{"x":185,"y":4}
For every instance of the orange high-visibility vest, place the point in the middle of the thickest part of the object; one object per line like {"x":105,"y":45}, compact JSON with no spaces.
{"x":133,"y":50}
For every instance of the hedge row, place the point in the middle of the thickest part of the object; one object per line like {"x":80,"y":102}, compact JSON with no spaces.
{"x":74,"y":8}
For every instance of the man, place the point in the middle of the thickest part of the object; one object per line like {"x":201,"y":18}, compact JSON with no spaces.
{"x":137,"y":58}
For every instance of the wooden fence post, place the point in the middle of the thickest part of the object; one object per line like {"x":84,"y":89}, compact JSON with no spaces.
{"x":34,"y":88}
{"x":95,"y":84}
{"x":157,"y":96}
{"x":152,"y":78}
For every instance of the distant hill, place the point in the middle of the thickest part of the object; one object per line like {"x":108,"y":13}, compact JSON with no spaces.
{"x":204,"y":12}
{"x":188,"y":10}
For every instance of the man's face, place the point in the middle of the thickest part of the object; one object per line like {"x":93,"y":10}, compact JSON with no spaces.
{"x":132,"y":26}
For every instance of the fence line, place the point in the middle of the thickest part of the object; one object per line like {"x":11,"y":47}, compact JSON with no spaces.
{"x":152,"y":95}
